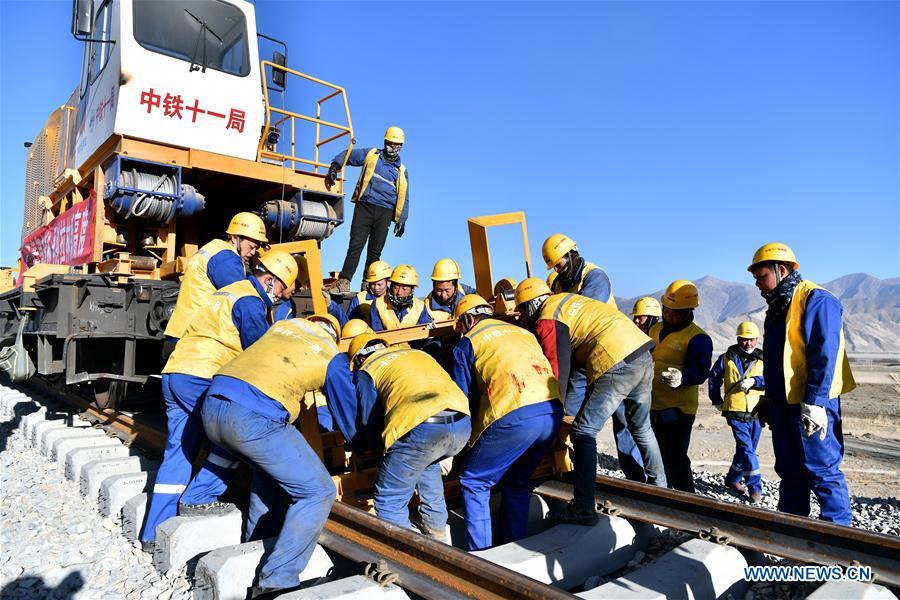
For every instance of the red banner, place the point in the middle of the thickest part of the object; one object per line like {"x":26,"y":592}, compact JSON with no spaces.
{"x":67,"y":240}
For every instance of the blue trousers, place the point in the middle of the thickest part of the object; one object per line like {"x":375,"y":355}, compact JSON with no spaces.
{"x":745,"y":464}
{"x":280,"y":455}
{"x":627,"y":384}
{"x":412,"y":463}
{"x":807,"y":463}
{"x":629,"y":455}
{"x":507,"y":453}
{"x":183,"y":395}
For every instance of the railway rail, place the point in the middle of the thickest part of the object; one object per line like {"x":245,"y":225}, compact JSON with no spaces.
{"x":431,"y":569}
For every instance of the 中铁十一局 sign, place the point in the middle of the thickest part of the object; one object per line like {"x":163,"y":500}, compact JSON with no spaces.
{"x":66,"y":240}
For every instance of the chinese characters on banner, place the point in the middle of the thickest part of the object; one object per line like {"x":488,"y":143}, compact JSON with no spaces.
{"x":67,"y":240}
{"x":174,"y":106}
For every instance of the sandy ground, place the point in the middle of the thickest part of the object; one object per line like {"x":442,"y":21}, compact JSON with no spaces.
{"x":871,"y":435}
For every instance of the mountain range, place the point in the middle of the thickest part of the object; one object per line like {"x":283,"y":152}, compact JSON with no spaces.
{"x":871,"y":310}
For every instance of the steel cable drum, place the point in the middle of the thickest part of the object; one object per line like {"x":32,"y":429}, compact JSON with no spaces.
{"x":156,"y":197}
{"x":300,"y":218}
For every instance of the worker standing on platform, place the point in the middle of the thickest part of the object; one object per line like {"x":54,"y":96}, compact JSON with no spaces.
{"x":398,"y":307}
{"x":446,"y":290}
{"x":577,"y":276}
{"x":235,"y":317}
{"x":249,"y":412}
{"x":505,"y":374}
{"x":381,"y":196}
{"x":681,"y":360}
{"x":646,"y":313}
{"x":376,"y":281}
{"x":215,"y":265}
{"x":421,"y":416}
{"x":806,"y":371}
{"x":576,"y":331}
{"x":740,"y":368}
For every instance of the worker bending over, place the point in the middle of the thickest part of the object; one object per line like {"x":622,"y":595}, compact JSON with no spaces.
{"x":577,"y":276}
{"x":376,"y":281}
{"x":505,"y":374}
{"x":249,"y":411}
{"x":806,"y":370}
{"x":446,"y":290}
{"x":381,"y":196}
{"x":740,"y":368}
{"x":234,"y":319}
{"x":421,"y":416}
{"x":339,"y":378}
{"x":646,"y":313}
{"x":215,"y":265}
{"x":681,"y":359}
{"x":577,"y":331}
{"x":398,"y":307}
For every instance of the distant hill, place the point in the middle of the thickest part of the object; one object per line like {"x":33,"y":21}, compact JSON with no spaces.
{"x":871,"y":310}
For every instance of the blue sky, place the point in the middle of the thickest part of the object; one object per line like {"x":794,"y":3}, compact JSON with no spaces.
{"x":670,"y":139}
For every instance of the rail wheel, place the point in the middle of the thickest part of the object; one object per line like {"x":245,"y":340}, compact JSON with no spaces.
{"x":109,"y":393}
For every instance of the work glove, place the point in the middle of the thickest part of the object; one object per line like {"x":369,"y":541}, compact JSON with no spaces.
{"x":399,"y":228}
{"x":671,"y":377}
{"x":814,"y":418}
{"x":332,"y":176}
{"x":747,"y":384}
{"x":761,"y":411}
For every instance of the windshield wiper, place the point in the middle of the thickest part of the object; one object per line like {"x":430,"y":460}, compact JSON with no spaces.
{"x":204,"y":27}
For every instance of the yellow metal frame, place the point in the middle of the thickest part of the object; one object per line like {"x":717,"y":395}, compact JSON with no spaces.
{"x":481,"y":256}
{"x":309,"y":250}
{"x":285,"y":115}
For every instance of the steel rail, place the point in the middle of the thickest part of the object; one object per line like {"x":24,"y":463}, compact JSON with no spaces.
{"x":781,"y":534}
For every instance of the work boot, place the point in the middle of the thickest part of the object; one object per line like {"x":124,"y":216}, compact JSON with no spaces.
{"x":575,"y":514}
{"x":209,"y":509}
{"x":755,"y":497}
{"x":148,"y":546}
{"x":267,"y":593}
{"x":739,"y":488}
{"x":435,"y":534}
{"x":340,"y":287}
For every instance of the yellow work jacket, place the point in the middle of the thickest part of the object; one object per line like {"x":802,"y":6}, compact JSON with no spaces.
{"x":795,"y":369}
{"x":672,"y":352}
{"x":288,"y":361}
{"x":389,"y":316}
{"x":412,"y":386}
{"x":365,"y":306}
{"x":736,"y":400}
{"x":511,"y":370}
{"x":196,"y":288}
{"x":601,"y":336}
{"x":365,"y":176}
{"x":575,"y":288}
{"x":211,"y":339}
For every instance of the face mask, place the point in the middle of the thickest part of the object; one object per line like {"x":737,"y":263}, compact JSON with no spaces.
{"x":391,"y":154}
{"x":269,"y":288}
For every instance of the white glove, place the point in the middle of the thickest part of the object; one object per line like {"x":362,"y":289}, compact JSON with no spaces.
{"x":814,"y":418}
{"x":446,"y":465}
{"x":671,"y":377}
{"x":747,"y":384}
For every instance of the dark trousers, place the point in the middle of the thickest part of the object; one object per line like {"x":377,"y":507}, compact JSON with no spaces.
{"x":370,"y":223}
{"x":673,"y":433}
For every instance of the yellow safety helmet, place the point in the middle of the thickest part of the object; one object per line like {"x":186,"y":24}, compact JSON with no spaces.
{"x":748,"y":330}
{"x":395,"y":135}
{"x":467,"y":303}
{"x":248,"y":225}
{"x":774,"y":251}
{"x":331,"y":320}
{"x":555,"y":247}
{"x":405,"y":275}
{"x":445,"y":269}
{"x":360,"y":342}
{"x":282,"y":265}
{"x":551,"y":278}
{"x":530,"y":289}
{"x":681,"y":294}
{"x":646,"y":307}
{"x":355,"y":327}
{"x":377,"y":271}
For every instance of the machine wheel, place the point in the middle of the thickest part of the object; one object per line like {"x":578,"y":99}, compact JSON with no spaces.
{"x":109,"y":393}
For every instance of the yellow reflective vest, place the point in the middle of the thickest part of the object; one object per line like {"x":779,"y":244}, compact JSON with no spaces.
{"x":736,"y":400}
{"x":412,"y":386}
{"x":438,"y":315}
{"x":511,"y":369}
{"x":288,"y":361}
{"x":601,"y":336}
{"x":389,"y":316}
{"x":365,"y":306}
{"x":196,"y":288}
{"x":575,"y":288}
{"x":365,"y":176}
{"x":795,"y":366}
{"x":211,"y":339}
{"x":671,"y":353}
